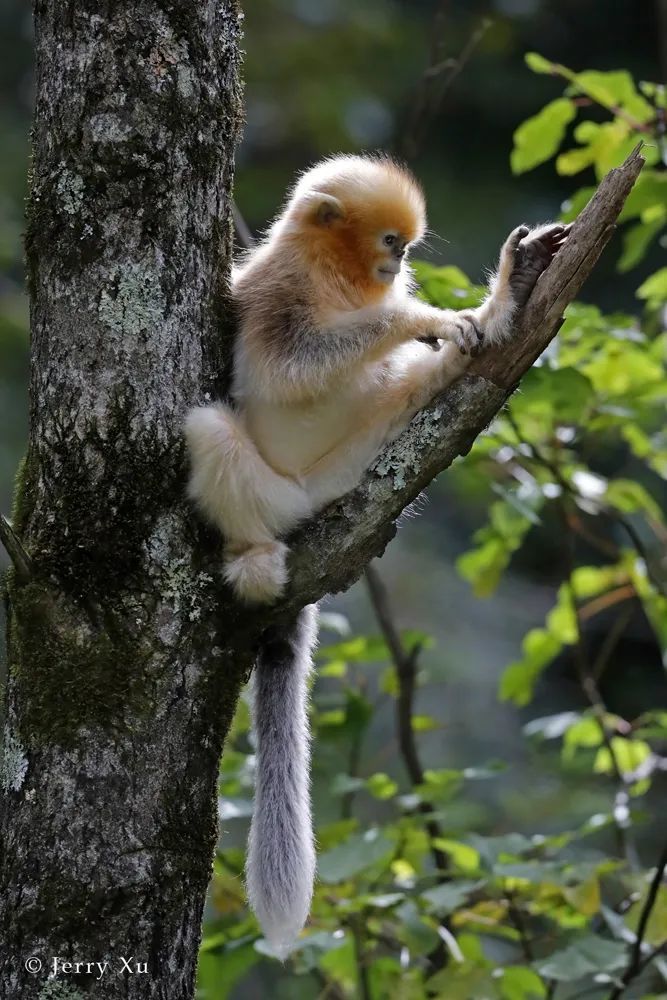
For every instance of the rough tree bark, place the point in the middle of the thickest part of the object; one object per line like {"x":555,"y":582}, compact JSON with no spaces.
{"x":125,"y":653}
{"x":121,"y":677}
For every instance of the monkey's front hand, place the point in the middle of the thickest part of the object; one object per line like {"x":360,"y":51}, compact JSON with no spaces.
{"x":530,"y":252}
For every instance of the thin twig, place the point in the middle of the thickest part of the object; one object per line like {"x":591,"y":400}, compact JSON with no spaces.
{"x":435,"y":82}
{"x":588,"y":682}
{"x":356,"y":925}
{"x":516,"y":917}
{"x":637,"y":542}
{"x":405,"y":663}
{"x":610,"y":642}
{"x":637,"y":961}
{"x":15,"y":551}
{"x":243,"y":231}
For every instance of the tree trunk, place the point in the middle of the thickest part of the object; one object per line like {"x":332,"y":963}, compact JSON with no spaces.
{"x":125,"y":652}
{"x":121,"y":684}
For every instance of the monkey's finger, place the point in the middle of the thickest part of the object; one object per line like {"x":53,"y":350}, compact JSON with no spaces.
{"x":514,"y":239}
{"x":432,"y":342}
{"x":548,"y":238}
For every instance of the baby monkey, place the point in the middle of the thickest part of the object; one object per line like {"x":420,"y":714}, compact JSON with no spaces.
{"x":333,"y":357}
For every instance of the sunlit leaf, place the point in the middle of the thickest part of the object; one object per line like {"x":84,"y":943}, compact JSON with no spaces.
{"x":518,"y":982}
{"x":463,"y":856}
{"x":654,"y":289}
{"x":538,"y":138}
{"x":381,"y":786}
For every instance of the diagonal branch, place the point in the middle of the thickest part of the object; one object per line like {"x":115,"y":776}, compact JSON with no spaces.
{"x":330,"y":552}
{"x":15,"y":551}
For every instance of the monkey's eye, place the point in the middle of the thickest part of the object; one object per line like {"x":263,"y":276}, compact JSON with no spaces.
{"x":389,"y":240}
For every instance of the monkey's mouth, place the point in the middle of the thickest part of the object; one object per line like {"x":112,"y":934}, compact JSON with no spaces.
{"x":389,"y":271}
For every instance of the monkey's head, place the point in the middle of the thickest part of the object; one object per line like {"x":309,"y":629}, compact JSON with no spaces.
{"x":359,"y":216}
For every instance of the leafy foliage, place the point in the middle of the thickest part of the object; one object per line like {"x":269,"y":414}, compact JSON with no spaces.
{"x":414,"y":903}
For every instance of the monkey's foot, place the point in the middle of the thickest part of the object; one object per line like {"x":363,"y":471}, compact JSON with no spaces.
{"x":533,"y":251}
{"x":469,"y":336}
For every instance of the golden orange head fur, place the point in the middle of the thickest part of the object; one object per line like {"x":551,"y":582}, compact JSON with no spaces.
{"x":358,"y":215}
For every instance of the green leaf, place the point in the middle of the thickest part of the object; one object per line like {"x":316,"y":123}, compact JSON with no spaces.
{"x":539,"y":64}
{"x":518,"y":982}
{"x":446,"y":287}
{"x":539,"y":138}
{"x":571,"y":208}
{"x":656,"y":929}
{"x":614,"y":89}
{"x":518,"y":680}
{"x":463,"y":856}
{"x":551,"y":397}
{"x":648,"y":193}
{"x":483,"y":566}
{"x":331,"y":834}
{"x":628,"y":755}
{"x":464,"y":983}
{"x":217,"y":973}
{"x":654,"y":289}
{"x":341,"y":965}
{"x":445,"y":899}
{"x":350,"y":858}
{"x":416,"y":931}
{"x":604,"y":146}
{"x":629,"y":497}
{"x":343,"y":784}
{"x":585,"y":732}
{"x":424,"y":723}
{"x":636,"y":242}
{"x":585,"y":957}
{"x":540,"y":646}
{"x":361,"y":649}
{"x":381,"y":786}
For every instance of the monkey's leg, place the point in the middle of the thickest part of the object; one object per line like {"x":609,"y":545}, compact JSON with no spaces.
{"x":243,"y":496}
{"x":412,"y":377}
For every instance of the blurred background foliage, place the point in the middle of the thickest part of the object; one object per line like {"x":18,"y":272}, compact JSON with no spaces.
{"x":490,"y":708}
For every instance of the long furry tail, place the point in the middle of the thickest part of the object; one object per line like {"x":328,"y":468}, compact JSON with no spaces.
{"x":280,"y":868}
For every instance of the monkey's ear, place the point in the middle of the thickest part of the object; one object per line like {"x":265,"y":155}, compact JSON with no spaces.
{"x":324,"y":209}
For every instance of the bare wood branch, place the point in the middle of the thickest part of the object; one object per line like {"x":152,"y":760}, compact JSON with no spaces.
{"x":15,"y":551}
{"x":329,"y":553}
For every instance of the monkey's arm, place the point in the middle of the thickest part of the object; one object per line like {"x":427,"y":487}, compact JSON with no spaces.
{"x":524,"y":255}
{"x":304,"y":359}
{"x":415,"y":374}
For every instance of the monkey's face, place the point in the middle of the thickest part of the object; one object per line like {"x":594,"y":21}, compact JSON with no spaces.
{"x":372,"y":247}
{"x":362,"y":239}
{"x":390,"y":247}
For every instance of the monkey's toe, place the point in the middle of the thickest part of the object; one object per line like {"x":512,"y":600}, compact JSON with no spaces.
{"x":471,"y":336}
